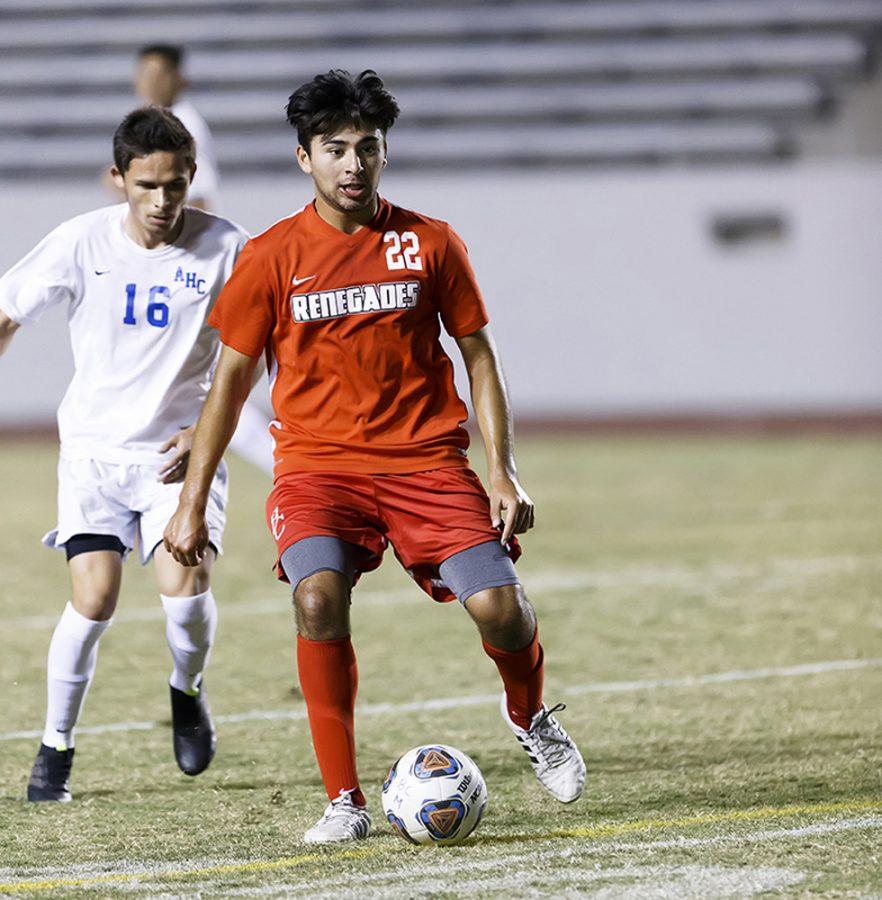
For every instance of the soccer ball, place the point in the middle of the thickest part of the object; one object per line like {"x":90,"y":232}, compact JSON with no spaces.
{"x":434,"y":794}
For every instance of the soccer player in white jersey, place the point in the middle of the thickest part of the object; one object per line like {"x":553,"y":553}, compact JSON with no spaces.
{"x":138,"y":280}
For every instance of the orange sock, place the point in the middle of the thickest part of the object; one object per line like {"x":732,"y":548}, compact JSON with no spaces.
{"x":522,"y":674}
{"x":329,"y":681}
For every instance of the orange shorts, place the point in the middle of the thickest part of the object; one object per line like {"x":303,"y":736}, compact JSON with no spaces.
{"x":425,"y":516}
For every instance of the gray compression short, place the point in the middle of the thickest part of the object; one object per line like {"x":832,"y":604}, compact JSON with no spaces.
{"x":319,"y":553}
{"x":484,"y":566}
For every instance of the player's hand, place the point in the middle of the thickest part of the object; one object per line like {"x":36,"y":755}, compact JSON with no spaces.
{"x":510,"y":507}
{"x":175,"y":468}
{"x":186,"y":536}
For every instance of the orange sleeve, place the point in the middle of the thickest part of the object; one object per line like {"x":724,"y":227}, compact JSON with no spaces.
{"x":245,"y":312}
{"x":459,"y":297}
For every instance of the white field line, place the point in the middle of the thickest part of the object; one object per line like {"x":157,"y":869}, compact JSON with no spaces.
{"x":660,"y":882}
{"x":683,"y":882}
{"x":797,"y":671}
{"x":441,"y":703}
{"x":470,"y":861}
{"x":521,"y":868}
{"x":779,"y":574}
{"x":540,"y":581}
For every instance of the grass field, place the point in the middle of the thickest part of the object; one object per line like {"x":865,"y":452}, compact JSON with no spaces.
{"x":711,"y":616}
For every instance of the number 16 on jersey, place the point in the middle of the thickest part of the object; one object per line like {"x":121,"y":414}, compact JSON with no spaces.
{"x":157,"y":310}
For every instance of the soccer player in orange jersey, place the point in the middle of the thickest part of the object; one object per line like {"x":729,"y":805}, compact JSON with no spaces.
{"x":346,"y":299}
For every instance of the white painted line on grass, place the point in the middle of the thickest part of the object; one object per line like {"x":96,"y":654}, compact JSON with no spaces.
{"x":463,"y":871}
{"x":281,"y":604}
{"x":440,"y":703}
{"x":524,"y":878}
{"x":798,"y":671}
{"x":464,"y":876}
{"x":683,"y":882}
{"x":777,"y":574}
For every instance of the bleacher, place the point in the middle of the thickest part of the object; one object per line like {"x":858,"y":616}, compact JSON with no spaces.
{"x":480,"y":83}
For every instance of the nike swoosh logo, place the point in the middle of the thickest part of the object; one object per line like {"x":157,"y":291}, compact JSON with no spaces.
{"x":298,"y":281}
{"x":102,"y":273}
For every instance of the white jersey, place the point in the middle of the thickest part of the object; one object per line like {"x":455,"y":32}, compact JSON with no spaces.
{"x":206,"y":181}
{"x":143,"y":353}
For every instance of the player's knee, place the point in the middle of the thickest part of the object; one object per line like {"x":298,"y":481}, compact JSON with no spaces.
{"x":175,"y":580}
{"x":186,"y":583}
{"x":504,"y":616}
{"x":321,"y":606}
{"x":94,"y":603}
{"x":95,"y":581}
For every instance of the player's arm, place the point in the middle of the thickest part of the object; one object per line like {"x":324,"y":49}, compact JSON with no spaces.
{"x":186,"y":536}
{"x":8,"y":327}
{"x":509,"y":504}
{"x":47,"y":276}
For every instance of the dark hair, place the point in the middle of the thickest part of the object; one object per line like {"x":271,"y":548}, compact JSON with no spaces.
{"x":173,"y":55}
{"x":331,"y":101}
{"x":148,"y":130}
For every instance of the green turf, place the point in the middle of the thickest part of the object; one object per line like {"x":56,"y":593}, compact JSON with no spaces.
{"x":651,"y":559}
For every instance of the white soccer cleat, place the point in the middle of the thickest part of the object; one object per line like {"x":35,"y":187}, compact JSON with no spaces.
{"x":342,"y":821}
{"x":553,"y":754}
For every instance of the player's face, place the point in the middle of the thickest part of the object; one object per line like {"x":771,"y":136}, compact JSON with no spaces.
{"x":345,"y":167}
{"x":156,"y":81}
{"x":156,"y":190}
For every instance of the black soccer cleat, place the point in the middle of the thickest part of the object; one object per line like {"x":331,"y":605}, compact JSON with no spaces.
{"x":193,"y":737}
{"x":50,"y":777}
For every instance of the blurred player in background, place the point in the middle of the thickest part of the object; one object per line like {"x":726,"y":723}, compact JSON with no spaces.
{"x":348,"y":297}
{"x":160,"y":80}
{"x":138,"y":280}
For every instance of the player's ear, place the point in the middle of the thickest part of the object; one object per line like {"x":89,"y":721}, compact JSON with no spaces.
{"x":193,"y":172}
{"x":303,"y":159}
{"x":117,"y":178}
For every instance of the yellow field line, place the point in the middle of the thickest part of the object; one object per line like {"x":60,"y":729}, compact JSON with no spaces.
{"x":733,"y":815}
{"x":616,"y":829}
{"x":257,"y":865}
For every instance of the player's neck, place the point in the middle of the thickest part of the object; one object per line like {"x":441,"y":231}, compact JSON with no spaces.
{"x":347,"y":222}
{"x":150,"y":240}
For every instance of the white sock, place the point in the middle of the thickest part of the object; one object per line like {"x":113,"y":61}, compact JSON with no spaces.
{"x":190,"y":623}
{"x":73,"y":652}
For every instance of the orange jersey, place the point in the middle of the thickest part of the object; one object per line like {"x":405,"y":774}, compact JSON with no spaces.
{"x":351,"y":327}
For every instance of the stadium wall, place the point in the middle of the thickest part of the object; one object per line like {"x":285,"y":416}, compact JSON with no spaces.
{"x":631,"y":293}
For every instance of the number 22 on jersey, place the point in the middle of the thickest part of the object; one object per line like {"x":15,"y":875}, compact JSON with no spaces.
{"x":157,"y":309}
{"x":403,"y":250}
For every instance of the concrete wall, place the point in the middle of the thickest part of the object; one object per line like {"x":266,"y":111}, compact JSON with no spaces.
{"x":608,"y":292}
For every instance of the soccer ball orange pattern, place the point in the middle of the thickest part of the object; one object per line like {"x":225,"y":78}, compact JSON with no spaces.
{"x":434,"y":794}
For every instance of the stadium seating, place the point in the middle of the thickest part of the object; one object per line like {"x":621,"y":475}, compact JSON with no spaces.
{"x":560,"y":83}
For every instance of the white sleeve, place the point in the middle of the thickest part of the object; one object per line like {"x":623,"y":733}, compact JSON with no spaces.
{"x":47,"y":276}
{"x":205,"y":183}
{"x":242,"y":238}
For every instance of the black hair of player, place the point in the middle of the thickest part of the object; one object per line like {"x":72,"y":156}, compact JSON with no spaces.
{"x":172,"y":54}
{"x":334,"y":100}
{"x":151,"y":129}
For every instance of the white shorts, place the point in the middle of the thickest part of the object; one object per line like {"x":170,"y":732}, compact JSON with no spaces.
{"x":126,"y":501}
